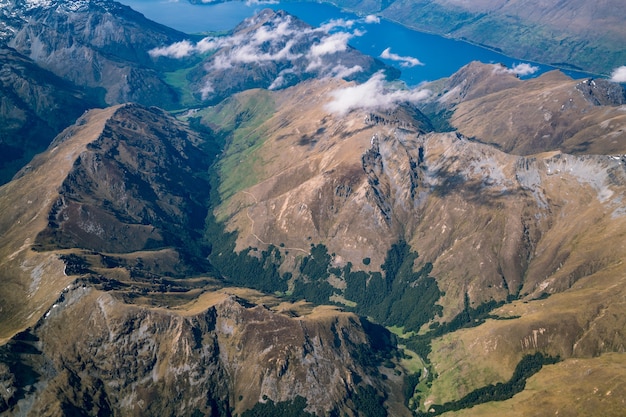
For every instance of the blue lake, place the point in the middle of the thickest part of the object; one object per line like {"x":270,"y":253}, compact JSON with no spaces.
{"x":440,"y":56}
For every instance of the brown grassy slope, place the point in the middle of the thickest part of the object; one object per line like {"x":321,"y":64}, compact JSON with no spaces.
{"x":493,"y":224}
{"x":537,"y":115}
{"x":31,"y":280}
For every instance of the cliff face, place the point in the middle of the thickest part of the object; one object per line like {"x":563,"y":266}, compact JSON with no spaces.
{"x":94,"y":354}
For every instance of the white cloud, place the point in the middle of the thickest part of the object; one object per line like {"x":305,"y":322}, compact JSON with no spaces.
{"x":337,"y":42}
{"x":341,"y":71}
{"x":175,"y":50}
{"x":337,"y":23}
{"x":619,"y":74}
{"x":372,"y":19}
{"x":280,"y":80}
{"x":405,"y":61}
{"x":521,"y":70}
{"x":373,"y":94}
{"x":524,"y":69}
{"x":260,"y":2}
{"x":206,"y":90}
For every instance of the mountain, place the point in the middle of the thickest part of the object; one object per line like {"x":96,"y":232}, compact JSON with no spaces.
{"x":572,"y":34}
{"x":329,"y":242}
{"x":547,"y":113}
{"x":507,"y":255}
{"x":111,"y":183}
{"x":35,"y":106}
{"x":95,"y":43}
{"x":101,"y":287}
{"x":93,"y":354}
{"x":274,"y":50}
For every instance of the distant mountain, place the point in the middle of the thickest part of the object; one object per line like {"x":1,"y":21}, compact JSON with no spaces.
{"x":95,"y":43}
{"x":272,"y":50}
{"x":574,"y":34}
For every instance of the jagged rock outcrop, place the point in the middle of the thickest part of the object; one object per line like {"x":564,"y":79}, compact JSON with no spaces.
{"x":95,"y":355}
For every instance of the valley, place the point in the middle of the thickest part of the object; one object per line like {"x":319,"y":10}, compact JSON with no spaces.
{"x":266,"y":221}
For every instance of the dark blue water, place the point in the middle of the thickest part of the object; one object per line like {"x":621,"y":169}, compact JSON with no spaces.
{"x":440,"y":56}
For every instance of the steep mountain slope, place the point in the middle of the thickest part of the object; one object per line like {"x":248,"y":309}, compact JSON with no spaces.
{"x":97,"y":43}
{"x":494,"y":227}
{"x":550,"y":112}
{"x":35,"y":106}
{"x":569,"y":34}
{"x":111,"y":183}
{"x":500,"y":267}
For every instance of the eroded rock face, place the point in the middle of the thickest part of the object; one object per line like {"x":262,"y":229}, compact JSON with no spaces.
{"x":96,"y":354}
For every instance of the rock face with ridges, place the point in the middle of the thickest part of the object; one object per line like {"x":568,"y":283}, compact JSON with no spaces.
{"x":93,"y":354}
{"x":140,"y":179}
{"x":115,"y":182}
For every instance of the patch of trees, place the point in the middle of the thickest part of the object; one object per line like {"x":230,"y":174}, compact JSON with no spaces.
{"x":527,"y":367}
{"x":402,"y":297}
{"x":469,"y":317}
{"x":369,"y":402}
{"x":246,"y":268}
{"x":293,"y":408}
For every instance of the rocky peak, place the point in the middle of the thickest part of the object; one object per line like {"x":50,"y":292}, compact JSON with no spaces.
{"x":602,"y":92}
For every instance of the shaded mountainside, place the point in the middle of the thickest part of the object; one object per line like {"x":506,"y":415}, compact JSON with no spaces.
{"x":35,"y":105}
{"x":115,"y":182}
{"x":573,"y":34}
{"x":547,"y":113}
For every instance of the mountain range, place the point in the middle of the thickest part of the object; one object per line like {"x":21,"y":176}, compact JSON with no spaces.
{"x":293,"y":231}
